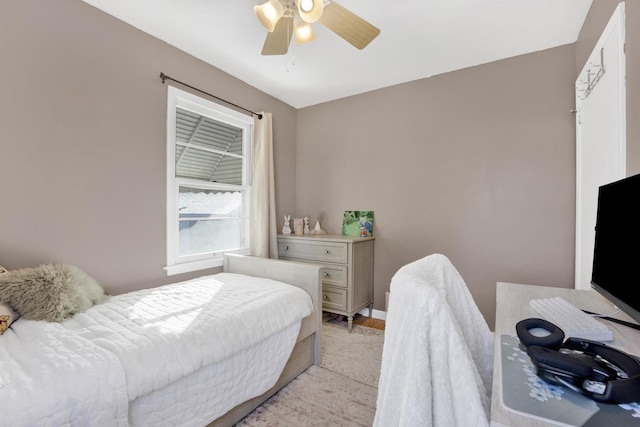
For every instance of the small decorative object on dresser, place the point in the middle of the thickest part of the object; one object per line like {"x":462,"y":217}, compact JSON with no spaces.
{"x":286,"y":228}
{"x":298,"y":226}
{"x":347,"y":269}
{"x":306,"y":225}
{"x":317,"y":229}
{"x":357,"y":223}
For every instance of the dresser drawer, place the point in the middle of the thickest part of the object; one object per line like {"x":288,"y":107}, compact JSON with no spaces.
{"x":334,"y":298}
{"x":334,"y":275}
{"x":346,"y":268}
{"x":314,"y":251}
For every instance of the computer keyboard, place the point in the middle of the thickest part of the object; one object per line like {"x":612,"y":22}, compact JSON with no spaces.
{"x":573,"y":321}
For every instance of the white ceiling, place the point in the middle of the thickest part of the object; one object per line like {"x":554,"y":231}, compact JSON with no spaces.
{"x":418,"y":39}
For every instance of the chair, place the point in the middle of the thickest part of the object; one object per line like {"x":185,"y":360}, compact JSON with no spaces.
{"x":437,"y":358}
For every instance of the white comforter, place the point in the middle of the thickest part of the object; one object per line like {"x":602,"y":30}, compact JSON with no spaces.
{"x":136,"y":343}
{"x":51,"y":377}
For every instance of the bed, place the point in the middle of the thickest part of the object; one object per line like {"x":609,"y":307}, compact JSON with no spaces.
{"x":201,"y":352}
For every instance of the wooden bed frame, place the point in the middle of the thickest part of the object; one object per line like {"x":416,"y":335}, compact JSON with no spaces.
{"x":308,"y":348}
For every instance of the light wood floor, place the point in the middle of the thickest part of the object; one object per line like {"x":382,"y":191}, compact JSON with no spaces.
{"x":359,"y":319}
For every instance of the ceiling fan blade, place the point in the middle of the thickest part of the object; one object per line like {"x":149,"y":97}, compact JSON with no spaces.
{"x":277,"y":42}
{"x":347,"y":25}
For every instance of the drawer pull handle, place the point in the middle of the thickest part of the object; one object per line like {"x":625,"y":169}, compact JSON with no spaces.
{"x":325,"y":274}
{"x":326,"y":251}
{"x":325,"y":297}
{"x":286,"y":248}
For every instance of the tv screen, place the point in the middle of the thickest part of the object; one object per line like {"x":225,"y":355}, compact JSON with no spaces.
{"x":616,"y":255}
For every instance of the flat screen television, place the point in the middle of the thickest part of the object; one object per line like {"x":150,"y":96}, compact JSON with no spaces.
{"x":616,"y":254}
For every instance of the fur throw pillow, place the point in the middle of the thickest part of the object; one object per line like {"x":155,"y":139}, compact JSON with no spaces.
{"x":51,"y":292}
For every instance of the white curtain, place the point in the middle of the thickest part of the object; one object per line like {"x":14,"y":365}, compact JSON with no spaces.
{"x":264,"y":242}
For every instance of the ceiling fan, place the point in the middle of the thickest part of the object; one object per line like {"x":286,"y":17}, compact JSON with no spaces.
{"x":286,"y":18}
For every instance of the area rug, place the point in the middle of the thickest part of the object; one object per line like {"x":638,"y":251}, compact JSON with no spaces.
{"x":342,"y":391}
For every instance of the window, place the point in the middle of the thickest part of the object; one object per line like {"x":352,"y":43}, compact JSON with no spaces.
{"x":208,"y":182}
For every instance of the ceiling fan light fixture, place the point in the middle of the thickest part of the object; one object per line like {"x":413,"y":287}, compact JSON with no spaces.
{"x":310,"y":10}
{"x":303,"y":32}
{"x":269,"y":13}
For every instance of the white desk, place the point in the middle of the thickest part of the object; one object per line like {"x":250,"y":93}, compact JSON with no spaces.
{"x":512,"y":305}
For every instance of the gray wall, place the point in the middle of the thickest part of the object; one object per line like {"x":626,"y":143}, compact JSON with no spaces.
{"x":82,"y":140}
{"x":477,"y":164}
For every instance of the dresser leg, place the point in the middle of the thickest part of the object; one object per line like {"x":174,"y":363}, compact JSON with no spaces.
{"x":350,"y":321}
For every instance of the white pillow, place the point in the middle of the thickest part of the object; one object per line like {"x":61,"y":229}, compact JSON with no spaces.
{"x":7,"y":317}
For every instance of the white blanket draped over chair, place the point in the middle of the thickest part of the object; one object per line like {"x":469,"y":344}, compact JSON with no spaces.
{"x":437,"y":360}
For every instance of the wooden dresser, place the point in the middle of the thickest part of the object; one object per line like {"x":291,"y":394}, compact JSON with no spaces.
{"x":347,"y":268}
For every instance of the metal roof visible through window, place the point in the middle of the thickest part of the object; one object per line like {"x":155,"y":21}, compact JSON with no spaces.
{"x":207,"y":149}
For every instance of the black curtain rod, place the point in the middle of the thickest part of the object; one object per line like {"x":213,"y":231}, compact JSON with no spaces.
{"x":164,"y":77}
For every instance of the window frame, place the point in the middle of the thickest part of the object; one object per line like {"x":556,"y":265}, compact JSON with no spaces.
{"x":177,"y":98}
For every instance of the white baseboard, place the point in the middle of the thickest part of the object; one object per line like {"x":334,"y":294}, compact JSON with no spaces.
{"x":376,"y":314}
